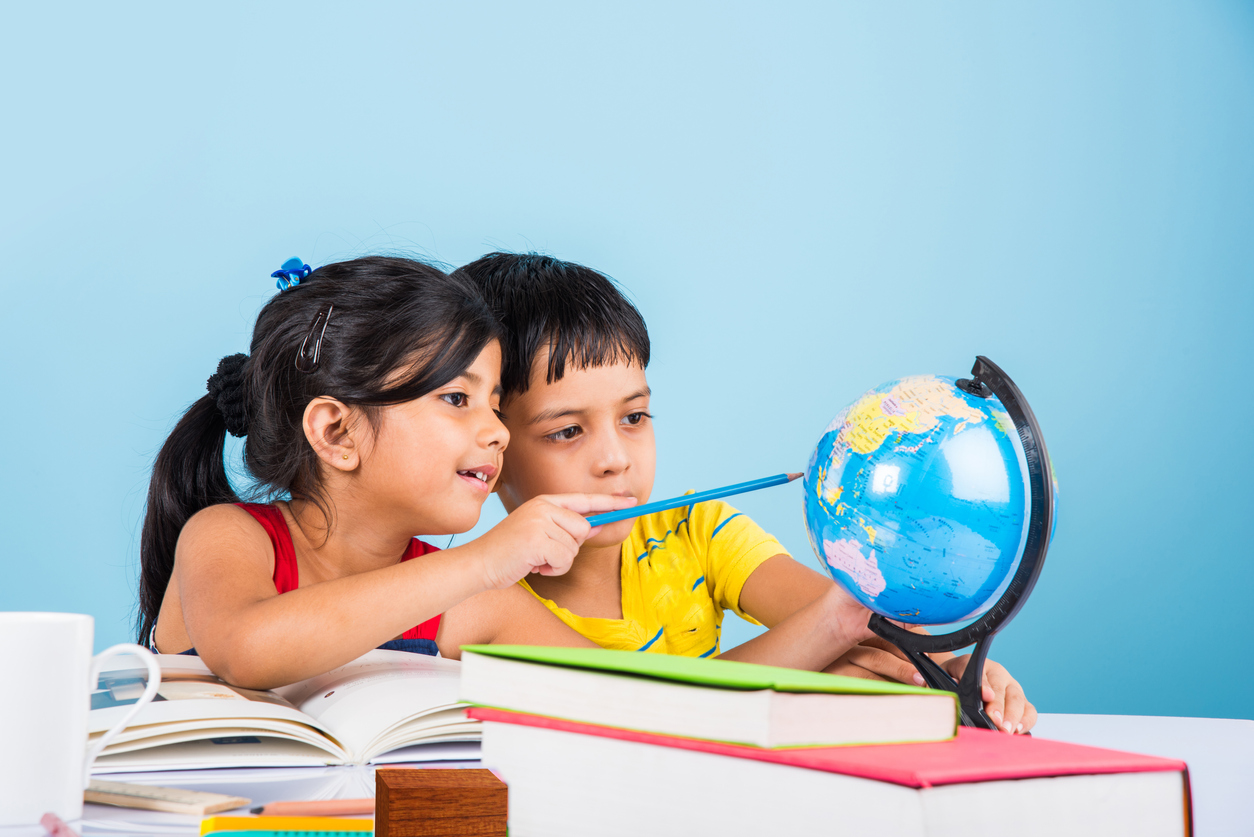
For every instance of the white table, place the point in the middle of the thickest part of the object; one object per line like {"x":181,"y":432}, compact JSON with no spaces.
{"x":1220,"y":755}
{"x":1219,"y":752}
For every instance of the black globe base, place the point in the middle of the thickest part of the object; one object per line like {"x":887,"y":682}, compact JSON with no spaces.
{"x":969,"y":689}
{"x":988,"y":379}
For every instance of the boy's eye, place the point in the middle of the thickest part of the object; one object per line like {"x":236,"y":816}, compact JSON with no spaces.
{"x":636,"y":418}
{"x":565,"y":434}
{"x":457,"y":399}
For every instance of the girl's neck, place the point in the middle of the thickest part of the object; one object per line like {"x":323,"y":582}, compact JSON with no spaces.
{"x":344,"y":548}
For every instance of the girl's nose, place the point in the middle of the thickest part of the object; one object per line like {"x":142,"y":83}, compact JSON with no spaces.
{"x":492,"y":431}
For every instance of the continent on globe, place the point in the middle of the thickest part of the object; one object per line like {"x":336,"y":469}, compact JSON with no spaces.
{"x":917,"y":496}
{"x":847,"y":557}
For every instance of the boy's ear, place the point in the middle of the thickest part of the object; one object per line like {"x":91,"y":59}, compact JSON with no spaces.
{"x":330,"y":427}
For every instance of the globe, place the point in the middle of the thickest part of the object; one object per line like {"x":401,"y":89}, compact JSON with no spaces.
{"x":916,"y":499}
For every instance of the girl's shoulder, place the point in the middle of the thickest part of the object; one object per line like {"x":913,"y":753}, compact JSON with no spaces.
{"x":226,"y":526}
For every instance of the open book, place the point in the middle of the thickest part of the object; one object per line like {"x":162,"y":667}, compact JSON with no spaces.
{"x":383,"y":708}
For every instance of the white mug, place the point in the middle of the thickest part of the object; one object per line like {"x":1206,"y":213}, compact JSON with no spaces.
{"x":47,"y":675}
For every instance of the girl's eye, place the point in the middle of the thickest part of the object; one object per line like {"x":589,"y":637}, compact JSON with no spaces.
{"x":565,"y":434}
{"x":636,"y":418}
{"x":457,"y":399}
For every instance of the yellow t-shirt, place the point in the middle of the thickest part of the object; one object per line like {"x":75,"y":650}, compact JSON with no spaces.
{"x":680,"y":570}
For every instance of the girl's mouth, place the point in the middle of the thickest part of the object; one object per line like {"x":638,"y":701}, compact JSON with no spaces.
{"x":479,"y":476}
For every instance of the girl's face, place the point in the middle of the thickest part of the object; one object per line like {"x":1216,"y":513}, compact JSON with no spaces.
{"x":434,"y":460}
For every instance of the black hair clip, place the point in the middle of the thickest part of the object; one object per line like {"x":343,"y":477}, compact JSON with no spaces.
{"x":311,"y":346}
{"x":290,"y":274}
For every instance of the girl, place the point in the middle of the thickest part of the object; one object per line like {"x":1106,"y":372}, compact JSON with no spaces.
{"x":369,"y":400}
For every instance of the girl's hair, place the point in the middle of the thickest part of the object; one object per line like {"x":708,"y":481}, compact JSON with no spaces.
{"x":371,"y":331}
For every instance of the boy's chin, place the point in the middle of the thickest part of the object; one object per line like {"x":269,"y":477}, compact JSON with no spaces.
{"x":612,"y":534}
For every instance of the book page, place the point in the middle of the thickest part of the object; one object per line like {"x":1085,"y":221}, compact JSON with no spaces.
{"x":384,"y":692}
{"x":190,"y":696}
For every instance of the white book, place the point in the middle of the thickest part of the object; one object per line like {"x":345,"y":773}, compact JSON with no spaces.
{"x":384,"y":707}
{"x":569,"y":784}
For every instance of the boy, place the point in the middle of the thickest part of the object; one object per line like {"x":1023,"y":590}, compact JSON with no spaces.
{"x":576,"y":402}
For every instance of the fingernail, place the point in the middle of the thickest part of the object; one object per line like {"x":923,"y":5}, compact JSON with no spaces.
{"x":918,"y":679}
{"x":1019,"y":728}
{"x":1008,"y":728}
{"x":997,"y":715}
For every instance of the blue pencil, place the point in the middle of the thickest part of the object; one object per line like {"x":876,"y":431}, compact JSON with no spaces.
{"x":689,"y":499}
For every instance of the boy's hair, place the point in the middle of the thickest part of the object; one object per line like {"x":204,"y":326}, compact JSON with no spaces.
{"x":579,"y":314}
{"x":369,"y":332}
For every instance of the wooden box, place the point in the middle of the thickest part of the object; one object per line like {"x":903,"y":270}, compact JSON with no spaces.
{"x":421,"y":802}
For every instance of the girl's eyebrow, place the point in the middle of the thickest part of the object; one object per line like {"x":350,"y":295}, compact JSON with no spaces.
{"x":475,"y":380}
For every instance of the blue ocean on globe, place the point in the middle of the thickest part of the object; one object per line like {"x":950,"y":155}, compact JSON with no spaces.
{"x":916,"y":500}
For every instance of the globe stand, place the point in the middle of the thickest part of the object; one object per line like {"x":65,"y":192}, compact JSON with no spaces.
{"x":988,"y":379}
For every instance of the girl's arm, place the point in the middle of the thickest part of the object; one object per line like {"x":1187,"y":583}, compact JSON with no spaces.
{"x":512,"y":616}
{"x":251,"y":636}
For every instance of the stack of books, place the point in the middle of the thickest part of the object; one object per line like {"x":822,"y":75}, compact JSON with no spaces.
{"x":603,"y":742}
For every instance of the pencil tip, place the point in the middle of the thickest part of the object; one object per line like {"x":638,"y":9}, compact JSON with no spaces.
{"x":792,"y":477}
{"x":257,"y":810}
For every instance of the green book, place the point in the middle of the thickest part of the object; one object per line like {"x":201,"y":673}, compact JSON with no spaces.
{"x":711,"y":699}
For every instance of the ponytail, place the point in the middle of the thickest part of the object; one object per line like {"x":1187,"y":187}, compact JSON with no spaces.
{"x":189,"y":475}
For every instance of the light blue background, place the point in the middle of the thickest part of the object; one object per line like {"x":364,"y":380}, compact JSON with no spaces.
{"x":805,"y":200}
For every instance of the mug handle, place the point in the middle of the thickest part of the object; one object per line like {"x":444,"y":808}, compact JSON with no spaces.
{"x":150,"y":692}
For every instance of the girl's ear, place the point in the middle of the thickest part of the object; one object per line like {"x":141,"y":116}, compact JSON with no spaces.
{"x":330,"y":426}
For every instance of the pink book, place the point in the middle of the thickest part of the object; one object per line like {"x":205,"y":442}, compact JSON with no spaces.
{"x":974,"y":756}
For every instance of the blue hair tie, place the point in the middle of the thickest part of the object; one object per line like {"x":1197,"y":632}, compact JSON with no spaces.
{"x":290,"y":274}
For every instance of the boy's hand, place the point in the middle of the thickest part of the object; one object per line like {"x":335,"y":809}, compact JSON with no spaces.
{"x":543,"y":535}
{"x":1003,"y":697}
{"x":876,"y":659}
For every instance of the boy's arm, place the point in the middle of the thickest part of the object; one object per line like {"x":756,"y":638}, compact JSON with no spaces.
{"x":812,"y":621}
{"x":802,"y":608}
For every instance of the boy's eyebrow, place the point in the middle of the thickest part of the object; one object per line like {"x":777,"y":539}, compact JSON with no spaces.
{"x":559,"y":412}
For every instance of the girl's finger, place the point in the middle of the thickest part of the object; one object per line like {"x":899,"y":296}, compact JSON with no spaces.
{"x":574,"y":524}
{"x":567,"y":546}
{"x":587,"y":503}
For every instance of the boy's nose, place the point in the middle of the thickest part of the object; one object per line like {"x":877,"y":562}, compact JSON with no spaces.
{"x":611,"y":457}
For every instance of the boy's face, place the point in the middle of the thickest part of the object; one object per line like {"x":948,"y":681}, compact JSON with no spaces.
{"x":590,"y":432}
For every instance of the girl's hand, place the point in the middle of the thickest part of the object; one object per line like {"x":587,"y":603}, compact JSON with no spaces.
{"x":543,"y":535}
{"x":1004,"y":700}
